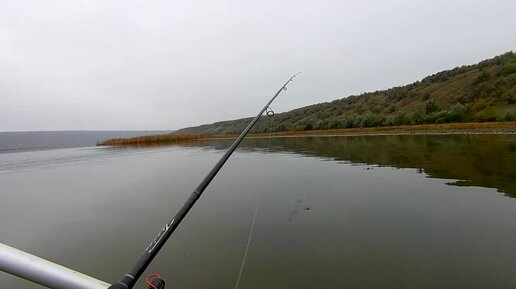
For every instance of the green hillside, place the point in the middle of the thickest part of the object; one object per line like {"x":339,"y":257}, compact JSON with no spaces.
{"x":471,"y":93}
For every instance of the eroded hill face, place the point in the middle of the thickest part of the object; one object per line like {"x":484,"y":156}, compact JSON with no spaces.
{"x":482,"y":92}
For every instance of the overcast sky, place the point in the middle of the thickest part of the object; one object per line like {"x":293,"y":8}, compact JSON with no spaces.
{"x":110,"y":65}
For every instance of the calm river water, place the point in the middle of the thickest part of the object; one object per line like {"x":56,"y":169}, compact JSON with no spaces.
{"x":335,"y":212}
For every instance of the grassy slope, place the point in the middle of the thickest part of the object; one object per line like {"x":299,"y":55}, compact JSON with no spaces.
{"x":482,"y":92}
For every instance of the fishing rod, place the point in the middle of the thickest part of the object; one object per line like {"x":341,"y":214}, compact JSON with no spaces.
{"x":129,"y":279}
{"x":52,"y":275}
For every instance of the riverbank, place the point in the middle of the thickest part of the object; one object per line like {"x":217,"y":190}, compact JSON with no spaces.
{"x":448,"y":128}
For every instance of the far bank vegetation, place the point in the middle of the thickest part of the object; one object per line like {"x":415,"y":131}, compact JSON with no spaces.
{"x":483,"y":92}
{"x":461,"y":98}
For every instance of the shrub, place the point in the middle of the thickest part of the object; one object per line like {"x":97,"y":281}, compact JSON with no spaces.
{"x":441,"y":116}
{"x":280,"y":127}
{"x":401,"y":118}
{"x":392,"y":109}
{"x":431,"y":106}
{"x":369,"y":120}
{"x":509,"y":68}
{"x":483,"y":76}
{"x":338,"y":123}
{"x":488,"y":114}
{"x":509,"y":96}
{"x":480,"y":104}
{"x":508,"y":116}
{"x":322,"y":124}
{"x":351,"y":122}
{"x":418,"y":116}
{"x":485,"y":90}
{"x":457,"y":113}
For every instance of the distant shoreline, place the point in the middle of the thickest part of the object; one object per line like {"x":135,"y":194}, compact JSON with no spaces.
{"x":23,"y":141}
{"x":425,"y":129}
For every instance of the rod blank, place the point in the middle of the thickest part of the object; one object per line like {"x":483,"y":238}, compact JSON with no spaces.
{"x":150,"y":252}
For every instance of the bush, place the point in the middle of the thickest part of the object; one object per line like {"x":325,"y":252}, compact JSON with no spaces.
{"x":418,"y":116}
{"x":509,"y":96}
{"x":488,"y":114}
{"x":308,"y":126}
{"x":392,"y":109}
{"x":508,"y":116}
{"x":396,"y":93}
{"x":441,"y":116}
{"x":338,"y":123}
{"x":349,"y":122}
{"x":457,"y":113}
{"x":509,"y":68}
{"x":323,"y":124}
{"x":280,"y":127}
{"x":369,"y":120}
{"x":480,"y":104}
{"x":401,"y":118}
{"x":483,"y":76}
{"x":431,"y":106}
{"x":483,"y":90}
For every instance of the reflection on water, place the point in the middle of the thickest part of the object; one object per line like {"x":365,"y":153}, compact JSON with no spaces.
{"x":469,"y":160}
{"x":335,"y":212}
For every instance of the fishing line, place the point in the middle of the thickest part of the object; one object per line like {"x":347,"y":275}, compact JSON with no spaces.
{"x":129,"y":279}
{"x":270,"y":113}
{"x":249,"y":239}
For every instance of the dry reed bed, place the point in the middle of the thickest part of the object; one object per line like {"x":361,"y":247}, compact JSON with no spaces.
{"x":151,"y":139}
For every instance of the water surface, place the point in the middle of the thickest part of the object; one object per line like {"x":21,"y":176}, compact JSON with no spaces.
{"x":335,"y":212}
{"x":42,"y":140}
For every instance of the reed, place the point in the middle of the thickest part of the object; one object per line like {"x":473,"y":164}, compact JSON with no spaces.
{"x":151,"y":139}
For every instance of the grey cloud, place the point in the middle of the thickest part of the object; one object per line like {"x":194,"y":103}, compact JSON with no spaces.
{"x":170,"y":64}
